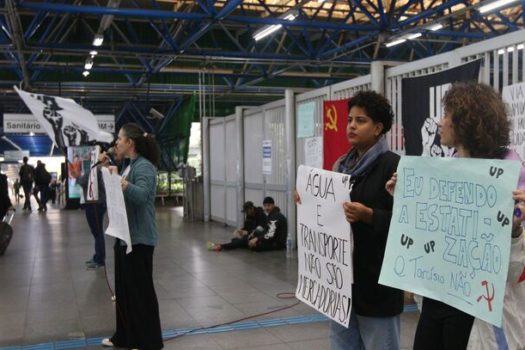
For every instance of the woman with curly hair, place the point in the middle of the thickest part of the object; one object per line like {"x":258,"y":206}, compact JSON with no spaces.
{"x":374,"y":320}
{"x":476,"y":125}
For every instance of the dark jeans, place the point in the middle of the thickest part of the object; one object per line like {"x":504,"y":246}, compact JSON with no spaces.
{"x":236,"y":243}
{"x":442,"y":327}
{"x":95,"y":218}
{"x":27,"y":195}
{"x":43,"y":191}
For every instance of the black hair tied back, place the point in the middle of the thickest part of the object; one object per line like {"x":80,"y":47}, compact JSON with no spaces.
{"x":145,"y":143}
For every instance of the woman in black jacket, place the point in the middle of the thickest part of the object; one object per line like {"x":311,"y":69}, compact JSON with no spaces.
{"x":375,"y":320}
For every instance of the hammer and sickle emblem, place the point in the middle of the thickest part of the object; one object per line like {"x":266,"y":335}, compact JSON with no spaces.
{"x":331,"y":113}
{"x":489,"y":297}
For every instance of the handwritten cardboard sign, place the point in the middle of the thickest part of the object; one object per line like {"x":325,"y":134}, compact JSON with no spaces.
{"x":450,"y":232}
{"x":324,"y":243}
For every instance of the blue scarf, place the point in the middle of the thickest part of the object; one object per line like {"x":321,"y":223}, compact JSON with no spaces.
{"x":355,"y":166}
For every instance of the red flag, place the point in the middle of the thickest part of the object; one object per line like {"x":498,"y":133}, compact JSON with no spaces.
{"x":335,"y":143}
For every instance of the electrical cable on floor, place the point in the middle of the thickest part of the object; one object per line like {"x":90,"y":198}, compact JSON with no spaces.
{"x":287,"y":295}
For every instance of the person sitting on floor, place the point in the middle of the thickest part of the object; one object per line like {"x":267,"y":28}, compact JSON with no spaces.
{"x":274,"y":235}
{"x":254,"y":218}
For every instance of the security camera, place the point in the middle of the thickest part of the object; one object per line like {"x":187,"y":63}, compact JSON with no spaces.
{"x":156,"y":114}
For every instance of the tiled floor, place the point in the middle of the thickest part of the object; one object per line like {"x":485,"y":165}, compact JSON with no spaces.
{"x":47,"y":295}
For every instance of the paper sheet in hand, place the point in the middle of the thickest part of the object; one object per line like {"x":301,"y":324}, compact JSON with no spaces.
{"x":450,"y":233}
{"x":118,"y":218}
{"x":324,"y":243}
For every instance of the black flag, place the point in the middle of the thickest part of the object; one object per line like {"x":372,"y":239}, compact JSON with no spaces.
{"x":422,"y":109}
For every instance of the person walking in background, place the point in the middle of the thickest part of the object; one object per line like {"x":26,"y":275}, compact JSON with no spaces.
{"x":16,"y":189}
{"x":42,"y":180}
{"x":27,"y":176}
{"x":137,"y":308}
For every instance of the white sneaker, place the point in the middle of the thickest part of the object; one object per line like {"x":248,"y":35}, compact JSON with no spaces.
{"x":107,"y":342}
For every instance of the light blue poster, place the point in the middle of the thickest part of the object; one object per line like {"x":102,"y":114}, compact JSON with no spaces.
{"x":306,"y":119}
{"x":450,"y":232}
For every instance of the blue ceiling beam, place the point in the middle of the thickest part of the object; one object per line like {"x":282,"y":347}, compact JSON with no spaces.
{"x":456,"y":34}
{"x":359,"y":5}
{"x":227,"y":9}
{"x":350,"y":45}
{"x":35,"y":24}
{"x":430,"y":12}
{"x":172,"y":113}
{"x":142,"y":13}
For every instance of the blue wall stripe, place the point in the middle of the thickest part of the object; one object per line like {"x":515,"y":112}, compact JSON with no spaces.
{"x":284,"y":321}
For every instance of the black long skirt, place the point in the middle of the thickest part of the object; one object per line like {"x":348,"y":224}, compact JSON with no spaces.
{"x":137,"y":308}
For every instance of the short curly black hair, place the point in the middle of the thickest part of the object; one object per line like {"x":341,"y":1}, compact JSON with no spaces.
{"x":479,"y":119}
{"x":376,"y":106}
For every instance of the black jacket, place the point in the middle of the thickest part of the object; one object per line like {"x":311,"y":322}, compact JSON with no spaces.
{"x":5,"y":202}
{"x":371,"y":298}
{"x":275,"y":232}
{"x":27,"y":174}
{"x":257,"y":219}
{"x":42,"y":176}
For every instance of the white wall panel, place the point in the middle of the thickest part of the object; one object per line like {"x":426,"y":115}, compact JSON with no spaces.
{"x":254,"y":195}
{"x":231,"y":151}
{"x":253,"y":137}
{"x":217,"y":203}
{"x":274,"y":130}
{"x":233,"y":207}
{"x":217,"y":150}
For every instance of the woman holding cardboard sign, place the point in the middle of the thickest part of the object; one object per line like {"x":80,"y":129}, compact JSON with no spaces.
{"x":374,"y":322}
{"x":476,"y":125}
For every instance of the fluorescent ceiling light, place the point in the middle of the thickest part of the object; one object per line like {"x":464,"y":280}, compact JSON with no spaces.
{"x":396,"y":42}
{"x":494,"y":5}
{"x":85,"y":73}
{"x":267,"y":31}
{"x":435,"y":27}
{"x":89,"y":63}
{"x":273,"y":28}
{"x":99,"y":39}
{"x":413,"y":36}
{"x":93,"y":53}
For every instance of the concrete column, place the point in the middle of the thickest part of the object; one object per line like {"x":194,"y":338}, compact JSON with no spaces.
{"x":205,"y":127}
{"x":239,"y":122}
{"x":290,"y":161}
{"x":377,"y":70}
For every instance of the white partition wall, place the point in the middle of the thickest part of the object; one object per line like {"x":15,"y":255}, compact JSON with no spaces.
{"x":349,"y":88}
{"x":223,"y":149}
{"x":253,"y":136}
{"x":266,"y":123}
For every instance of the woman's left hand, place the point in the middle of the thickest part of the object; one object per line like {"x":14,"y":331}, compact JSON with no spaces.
{"x":355,"y":212}
{"x":519,"y":208}
{"x":124,"y":183}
